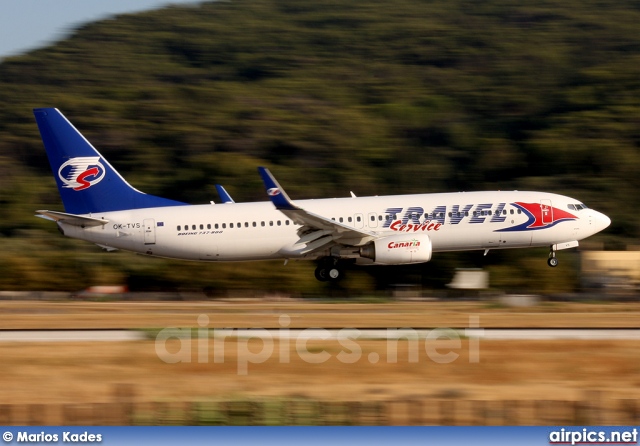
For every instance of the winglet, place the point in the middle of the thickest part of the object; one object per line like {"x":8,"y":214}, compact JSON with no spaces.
{"x":224,"y":195}
{"x":277,"y":195}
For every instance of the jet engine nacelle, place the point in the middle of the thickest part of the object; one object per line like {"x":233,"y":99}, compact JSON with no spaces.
{"x":399,"y":249}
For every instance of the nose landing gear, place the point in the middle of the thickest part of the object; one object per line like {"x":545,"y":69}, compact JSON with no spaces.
{"x":552,"y":261}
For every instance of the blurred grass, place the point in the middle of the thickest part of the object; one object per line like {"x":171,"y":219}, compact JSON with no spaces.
{"x":82,"y":372}
{"x":154,"y":316}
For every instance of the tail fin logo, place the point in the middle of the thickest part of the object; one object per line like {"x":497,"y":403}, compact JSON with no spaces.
{"x":272,"y":192}
{"x":81,"y":172}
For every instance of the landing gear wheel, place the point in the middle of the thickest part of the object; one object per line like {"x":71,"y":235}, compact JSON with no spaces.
{"x":552,"y":262}
{"x":321,"y":274}
{"x":328,"y":270}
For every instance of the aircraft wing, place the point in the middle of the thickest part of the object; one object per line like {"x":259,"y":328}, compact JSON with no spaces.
{"x":317,"y":230}
{"x":76,"y":220}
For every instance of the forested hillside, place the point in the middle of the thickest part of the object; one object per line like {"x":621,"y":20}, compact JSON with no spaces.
{"x":377,"y":97}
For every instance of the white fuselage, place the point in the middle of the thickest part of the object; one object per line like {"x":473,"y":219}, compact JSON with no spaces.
{"x":258,"y":231}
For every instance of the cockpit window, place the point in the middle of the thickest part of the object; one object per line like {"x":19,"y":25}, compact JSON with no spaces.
{"x":577,"y":206}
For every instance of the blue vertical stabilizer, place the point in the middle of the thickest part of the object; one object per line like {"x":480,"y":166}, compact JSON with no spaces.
{"x":85,"y":179}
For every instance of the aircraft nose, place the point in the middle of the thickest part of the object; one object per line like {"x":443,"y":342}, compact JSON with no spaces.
{"x":602,"y":221}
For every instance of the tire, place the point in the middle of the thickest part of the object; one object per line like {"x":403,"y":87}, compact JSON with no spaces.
{"x":321,"y":274}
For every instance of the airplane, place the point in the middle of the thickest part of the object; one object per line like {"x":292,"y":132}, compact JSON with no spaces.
{"x":101,"y":207}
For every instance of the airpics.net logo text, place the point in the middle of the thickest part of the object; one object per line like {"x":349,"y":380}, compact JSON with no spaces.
{"x":593,"y":436}
{"x":258,"y":345}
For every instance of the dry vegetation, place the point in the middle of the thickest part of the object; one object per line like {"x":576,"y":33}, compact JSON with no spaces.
{"x":86,"y":372}
{"x":90,"y":315}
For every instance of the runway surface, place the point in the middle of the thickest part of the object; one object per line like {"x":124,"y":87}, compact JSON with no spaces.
{"x":327,"y":334}
{"x":70,"y":335}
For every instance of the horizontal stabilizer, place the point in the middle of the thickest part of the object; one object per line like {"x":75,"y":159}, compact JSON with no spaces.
{"x":75,"y":220}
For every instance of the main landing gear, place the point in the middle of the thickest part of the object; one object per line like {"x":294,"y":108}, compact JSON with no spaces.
{"x":552,"y":261}
{"x":329,"y":270}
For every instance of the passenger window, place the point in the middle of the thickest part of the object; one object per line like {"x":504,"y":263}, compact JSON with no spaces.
{"x":231,"y":225}
{"x":358,"y":219}
{"x":279,"y":223}
{"x":511,"y":211}
{"x":286,"y":222}
{"x":178,"y":227}
{"x":216,"y":226}
{"x":201,"y":227}
{"x":341,"y":219}
{"x":519,"y":211}
{"x":193,"y":227}
{"x":262,"y":224}
{"x":209,"y":226}
{"x":246,"y":224}
{"x":350,"y":219}
{"x":254,"y":224}
{"x":271,"y":223}
{"x":224,"y":225}
{"x":373,"y":218}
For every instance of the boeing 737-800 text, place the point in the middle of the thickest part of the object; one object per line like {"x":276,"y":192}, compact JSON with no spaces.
{"x":101,"y":207}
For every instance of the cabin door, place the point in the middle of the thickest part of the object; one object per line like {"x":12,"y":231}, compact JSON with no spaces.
{"x":547,"y":211}
{"x":149,"y":225}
